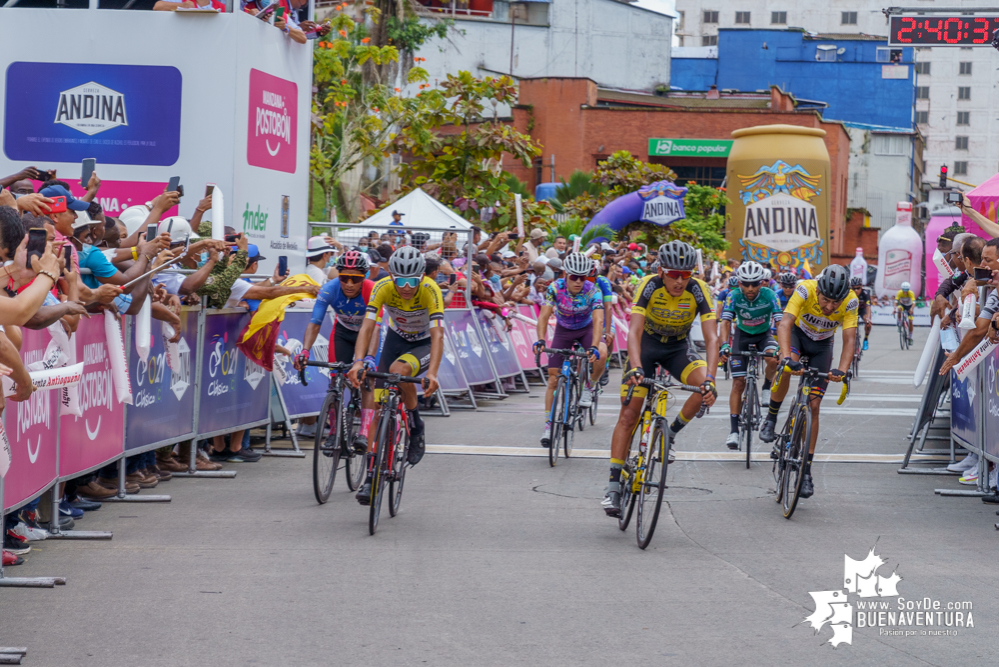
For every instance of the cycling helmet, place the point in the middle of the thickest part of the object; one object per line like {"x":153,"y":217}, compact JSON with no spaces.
{"x":906,"y":287}
{"x":834,"y":283}
{"x":750,"y":272}
{"x":856,"y":281}
{"x":733,"y":281}
{"x":577,"y":264}
{"x":788,"y":278}
{"x":768,"y":274}
{"x":677,"y":256}
{"x":352,"y":260}
{"x":407,"y":262}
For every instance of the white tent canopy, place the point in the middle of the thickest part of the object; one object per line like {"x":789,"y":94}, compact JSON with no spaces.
{"x":419,"y":210}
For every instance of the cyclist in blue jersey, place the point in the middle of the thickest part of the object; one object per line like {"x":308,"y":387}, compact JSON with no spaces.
{"x":787,"y":282}
{"x":579,"y":311}
{"x":348,"y":296}
{"x":733,"y":282}
{"x":606,"y":340}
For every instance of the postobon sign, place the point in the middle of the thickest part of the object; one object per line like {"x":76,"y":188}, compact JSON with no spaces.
{"x":779,"y":179}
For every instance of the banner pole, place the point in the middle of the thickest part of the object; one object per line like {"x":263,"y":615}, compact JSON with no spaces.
{"x":298,"y":453}
{"x":24,"y":582}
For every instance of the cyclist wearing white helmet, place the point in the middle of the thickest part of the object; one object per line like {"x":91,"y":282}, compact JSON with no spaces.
{"x":752,"y":306}
{"x":904,"y":301}
{"x":864,"y":305}
{"x":659,"y":335}
{"x":578,"y":307}
{"x":413,"y":307}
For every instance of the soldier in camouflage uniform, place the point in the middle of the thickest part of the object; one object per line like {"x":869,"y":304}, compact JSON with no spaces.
{"x":226,"y":271}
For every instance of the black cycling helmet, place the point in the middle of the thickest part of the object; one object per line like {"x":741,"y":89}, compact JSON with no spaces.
{"x":787,"y":278}
{"x":733,"y":281}
{"x":677,"y":256}
{"x":834,"y":283}
{"x":856,"y":281}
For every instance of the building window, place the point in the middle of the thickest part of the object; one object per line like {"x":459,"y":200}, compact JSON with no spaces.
{"x":886,"y":55}
{"x":710,"y":17}
{"x":964,"y":118}
{"x":825,"y":53}
{"x":890,"y":144}
{"x":742,"y":18}
{"x":922,"y":92}
{"x":778,"y":18}
{"x":961,"y":143}
{"x":848,"y":18}
{"x":679,"y":22}
{"x":964,"y":93}
{"x":960,"y":168}
{"x":965,"y":68}
{"x":709,"y":40}
{"x":922,"y":117}
{"x":923,"y":68}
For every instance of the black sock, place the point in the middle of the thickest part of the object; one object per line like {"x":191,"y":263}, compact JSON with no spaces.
{"x":734,"y":421}
{"x":415,"y":421}
{"x":677,"y":425}
{"x":766,"y":384}
{"x":773,"y":409}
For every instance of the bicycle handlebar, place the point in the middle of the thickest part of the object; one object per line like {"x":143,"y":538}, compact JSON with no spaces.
{"x":336,"y":367}
{"x":395,"y":378}
{"x":565,"y":353}
{"x":661,"y":386}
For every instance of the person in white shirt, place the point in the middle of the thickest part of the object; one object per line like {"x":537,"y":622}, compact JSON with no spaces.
{"x":318,"y":253}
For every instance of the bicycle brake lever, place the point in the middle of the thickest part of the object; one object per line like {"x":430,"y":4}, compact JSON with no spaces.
{"x":631,"y":390}
{"x":301,"y":376}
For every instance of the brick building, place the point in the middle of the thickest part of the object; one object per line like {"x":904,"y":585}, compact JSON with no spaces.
{"x":580,"y":123}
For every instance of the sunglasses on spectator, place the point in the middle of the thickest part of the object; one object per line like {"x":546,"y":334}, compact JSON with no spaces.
{"x":755,"y":283}
{"x":406,"y":282}
{"x":352,"y":279}
{"x":569,"y":276}
{"x":679,"y":275}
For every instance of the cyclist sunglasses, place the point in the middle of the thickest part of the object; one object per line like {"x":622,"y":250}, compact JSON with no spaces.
{"x":344,"y":278}
{"x":569,"y":276}
{"x":679,"y":275}
{"x":755,"y":283}
{"x":407,"y":282}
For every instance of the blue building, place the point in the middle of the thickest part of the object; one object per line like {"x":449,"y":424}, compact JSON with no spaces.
{"x":856,"y":78}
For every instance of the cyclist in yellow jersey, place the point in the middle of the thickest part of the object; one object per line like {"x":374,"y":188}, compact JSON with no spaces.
{"x":413,"y":308}
{"x":659,"y":334}
{"x":816,"y":309}
{"x":905,"y":299}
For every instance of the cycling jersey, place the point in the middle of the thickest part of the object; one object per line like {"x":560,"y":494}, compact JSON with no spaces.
{"x":864,"y":301}
{"x":605,"y":288}
{"x":722,"y":295}
{"x":668,"y":317}
{"x":808,"y":316}
{"x":754,"y":316}
{"x":782,"y":298}
{"x":905,"y":298}
{"x":412,"y":318}
{"x":349,"y":313}
{"x":573,"y":311}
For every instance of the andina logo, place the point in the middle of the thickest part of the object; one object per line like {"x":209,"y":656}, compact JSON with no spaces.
{"x":861,"y":603}
{"x":91,"y":108}
{"x":254,"y":221}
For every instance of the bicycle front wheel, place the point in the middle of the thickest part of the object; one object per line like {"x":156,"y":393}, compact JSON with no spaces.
{"x":354,"y":467}
{"x":558,"y":418}
{"x":652,"y":487}
{"x":750,"y":403}
{"x":797,"y":454}
{"x":326,"y":449}
{"x":627,"y":496}
{"x":378,"y":478}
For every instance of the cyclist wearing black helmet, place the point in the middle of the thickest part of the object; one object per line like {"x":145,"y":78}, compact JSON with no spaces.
{"x":659,"y":334}
{"x":864,"y":305}
{"x":787,"y":282}
{"x":808,"y":328}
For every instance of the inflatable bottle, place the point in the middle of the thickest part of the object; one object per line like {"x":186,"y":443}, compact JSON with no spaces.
{"x":858,"y":267}
{"x":900,"y":255}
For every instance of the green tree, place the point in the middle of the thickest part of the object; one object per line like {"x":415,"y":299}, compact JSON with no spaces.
{"x":580,"y":183}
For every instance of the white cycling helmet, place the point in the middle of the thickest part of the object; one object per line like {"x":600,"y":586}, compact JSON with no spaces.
{"x":906,"y":287}
{"x":750,"y":272}
{"x":577,"y":264}
{"x":407,"y":262}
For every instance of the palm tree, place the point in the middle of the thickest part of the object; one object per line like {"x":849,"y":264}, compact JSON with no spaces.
{"x":573,"y":226}
{"x":580,"y":183}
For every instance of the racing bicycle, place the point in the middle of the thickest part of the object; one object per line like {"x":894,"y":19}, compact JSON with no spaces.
{"x":339,"y":421}
{"x":903,"y":328}
{"x":643,"y":476}
{"x":565,"y":412}
{"x":750,"y":416}
{"x":858,"y":350}
{"x":792,"y":442}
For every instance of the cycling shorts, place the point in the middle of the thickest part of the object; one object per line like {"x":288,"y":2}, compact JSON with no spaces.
{"x":764,"y":342}
{"x":344,"y":341}
{"x":907,"y":309}
{"x":415,"y":353}
{"x":677,"y":357}
{"x":564,"y":338}
{"x":819,"y":353}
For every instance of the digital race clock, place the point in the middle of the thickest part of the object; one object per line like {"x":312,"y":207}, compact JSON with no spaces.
{"x":937,"y":30}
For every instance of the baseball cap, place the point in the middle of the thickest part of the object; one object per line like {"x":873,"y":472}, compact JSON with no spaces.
{"x":397,"y":213}
{"x":625,"y":270}
{"x":633,"y":246}
{"x":317,"y":246}
{"x":506,"y":254}
{"x":82,"y":218}
{"x":72,"y":203}
{"x":538,"y":233}
{"x":555,"y":264}
{"x":253,"y":254}
{"x":374,"y":256}
{"x":178,"y":227}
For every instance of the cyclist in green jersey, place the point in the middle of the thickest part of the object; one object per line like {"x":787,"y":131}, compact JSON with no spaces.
{"x":752,"y":307}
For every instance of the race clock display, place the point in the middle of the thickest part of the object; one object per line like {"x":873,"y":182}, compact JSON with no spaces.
{"x":937,"y":30}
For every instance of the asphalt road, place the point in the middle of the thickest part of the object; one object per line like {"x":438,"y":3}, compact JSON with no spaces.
{"x":502,"y":560}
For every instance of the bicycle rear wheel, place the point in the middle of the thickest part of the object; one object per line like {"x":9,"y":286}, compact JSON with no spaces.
{"x":399,"y":467}
{"x":750,"y":407}
{"x":627,"y":496}
{"x":326,"y":450}
{"x":558,"y":417}
{"x":580,"y":385}
{"x":797,"y":454}
{"x":593,"y":406}
{"x":652,"y":488}
{"x":378,"y":480}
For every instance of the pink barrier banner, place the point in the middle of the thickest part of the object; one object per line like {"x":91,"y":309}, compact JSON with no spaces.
{"x":99,"y":435}
{"x":523,"y":336}
{"x":115,"y":196}
{"x":621,"y":329}
{"x":31,"y":429}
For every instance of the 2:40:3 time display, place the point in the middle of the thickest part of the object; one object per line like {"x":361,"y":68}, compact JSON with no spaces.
{"x":942,"y":30}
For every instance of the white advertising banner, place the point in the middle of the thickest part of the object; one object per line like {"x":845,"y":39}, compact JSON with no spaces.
{"x":228,"y":104}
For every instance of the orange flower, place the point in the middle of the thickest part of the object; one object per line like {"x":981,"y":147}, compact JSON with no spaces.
{"x":397,"y":90}
{"x":375,"y":109}
{"x":343,"y":82}
{"x":365,"y":40}
{"x":343,"y":33}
